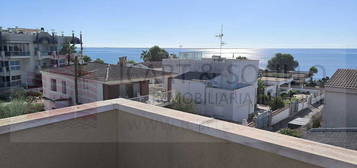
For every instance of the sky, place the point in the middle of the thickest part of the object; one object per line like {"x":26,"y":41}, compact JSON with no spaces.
{"x":192,"y":23}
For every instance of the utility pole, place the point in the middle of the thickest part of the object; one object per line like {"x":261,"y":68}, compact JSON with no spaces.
{"x":81,"y":40}
{"x":221,"y":43}
{"x":75,"y":72}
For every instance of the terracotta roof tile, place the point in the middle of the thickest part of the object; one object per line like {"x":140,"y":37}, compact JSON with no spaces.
{"x":343,"y":78}
{"x":96,"y":71}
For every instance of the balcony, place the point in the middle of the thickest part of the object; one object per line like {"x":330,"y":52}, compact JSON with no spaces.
{"x":123,"y":133}
{"x":10,"y":84}
{"x":47,"y":54}
{"x":16,"y":54}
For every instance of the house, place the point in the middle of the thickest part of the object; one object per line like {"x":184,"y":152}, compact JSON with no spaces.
{"x":24,"y":52}
{"x":96,"y":82}
{"x":298,"y":77}
{"x":273,"y":85}
{"x":220,"y":88}
{"x":340,"y":100}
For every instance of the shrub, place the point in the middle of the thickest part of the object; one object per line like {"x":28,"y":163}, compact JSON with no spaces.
{"x":182,"y":104}
{"x":33,"y":94}
{"x":291,"y":93}
{"x":291,"y":132}
{"x":14,"y":108}
{"x":284,"y":95}
{"x":19,"y":107}
{"x":276,"y":103}
{"x":262,"y":99}
{"x":316,"y":121}
{"x":18,"y":94}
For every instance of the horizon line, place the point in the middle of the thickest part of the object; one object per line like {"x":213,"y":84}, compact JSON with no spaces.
{"x":228,"y":47}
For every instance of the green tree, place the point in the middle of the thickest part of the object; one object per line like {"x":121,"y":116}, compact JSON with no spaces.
{"x":131,"y":62}
{"x":154,"y":54}
{"x":261,"y":97}
{"x":99,"y":61}
{"x":182,"y":104}
{"x":276,"y":103}
{"x":86,"y":59}
{"x":261,"y":87}
{"x":241,"y":58}
{"x":323,"y":81}
{"x":282,"y":63}
{"x":312,"y":71}
{"x":68,"y":50}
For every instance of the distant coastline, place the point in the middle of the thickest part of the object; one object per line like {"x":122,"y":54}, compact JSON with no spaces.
{"x":328,"y":60}
{"x":233,"y":48}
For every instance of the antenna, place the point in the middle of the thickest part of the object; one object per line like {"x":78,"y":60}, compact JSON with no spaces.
{"x":221,"y":43}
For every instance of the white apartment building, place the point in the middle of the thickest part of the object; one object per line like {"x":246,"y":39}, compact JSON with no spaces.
{"x":220,"y":88}
{"x":24,"y":52}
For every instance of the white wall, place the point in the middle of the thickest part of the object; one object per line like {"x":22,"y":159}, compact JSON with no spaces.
{"x":340,"y":108}
{"x":233,"y":105}
{"x":88,"y":90}
{"x":280,"y":116}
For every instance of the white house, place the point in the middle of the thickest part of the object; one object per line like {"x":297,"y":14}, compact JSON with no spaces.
{"x":340,"y":109}
{"x":220,"y":88}
{"x":273,"y":85}
{"x":96,"y":82}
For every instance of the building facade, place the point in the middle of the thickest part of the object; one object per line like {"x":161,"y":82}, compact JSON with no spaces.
{"x":96,"y":82}
{"x":220,"y":88}
{"x":24,"y":52}
{"x":341,"y":95}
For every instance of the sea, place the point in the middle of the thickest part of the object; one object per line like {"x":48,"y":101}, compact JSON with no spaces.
{"x":326,"y":60}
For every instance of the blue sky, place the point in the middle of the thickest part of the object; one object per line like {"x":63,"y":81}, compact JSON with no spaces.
{"x":193,"y":23}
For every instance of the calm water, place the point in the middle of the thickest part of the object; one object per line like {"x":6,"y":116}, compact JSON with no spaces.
{"x":327,"y":60}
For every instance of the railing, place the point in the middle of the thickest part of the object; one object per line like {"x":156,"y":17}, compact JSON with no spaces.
{"x":277,"y":74}
{"x":10,"y":84}
{"x":159,"y":98}
{"x":16,"y":53}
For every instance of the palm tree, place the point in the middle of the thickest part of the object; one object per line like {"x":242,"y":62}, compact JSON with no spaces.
{"x":313,"y":70}
{"x":154,"y":54}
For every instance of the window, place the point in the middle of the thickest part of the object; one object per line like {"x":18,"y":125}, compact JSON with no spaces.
{"x":17,"y":77}
{"x":53,"y":85}
{"x":85,"y":85}
{"x":64,"y":87}
{"x":61,"y":61}
{"x":15,"y":65}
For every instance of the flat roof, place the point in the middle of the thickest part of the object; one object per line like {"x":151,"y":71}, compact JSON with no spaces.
{"x":275,"y":79}
{"x":319,"y":154}
{"x":202,"y":76}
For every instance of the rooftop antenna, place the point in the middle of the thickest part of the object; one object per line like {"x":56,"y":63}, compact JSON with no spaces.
{"x":221,"y":43}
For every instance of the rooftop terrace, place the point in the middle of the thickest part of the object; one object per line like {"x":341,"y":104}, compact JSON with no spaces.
{"x":124,"y":133}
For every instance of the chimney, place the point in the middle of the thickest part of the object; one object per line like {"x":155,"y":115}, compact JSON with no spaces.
{"x":122,"y":61}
